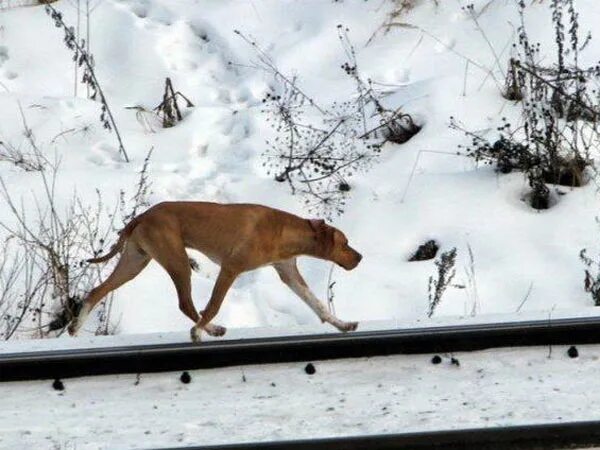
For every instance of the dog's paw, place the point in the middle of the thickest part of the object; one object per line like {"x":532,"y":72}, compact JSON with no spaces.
{"x":195,"y":334}
{"x":215,"y":330}
{"x":349,"y":326}
{"x":72,"y":329}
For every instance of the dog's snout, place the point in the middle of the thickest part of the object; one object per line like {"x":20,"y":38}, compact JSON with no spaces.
{"x":352,"y":260}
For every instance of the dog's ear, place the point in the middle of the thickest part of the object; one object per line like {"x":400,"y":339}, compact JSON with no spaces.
{"x":323,"y":233}
{"x":318,"y":225}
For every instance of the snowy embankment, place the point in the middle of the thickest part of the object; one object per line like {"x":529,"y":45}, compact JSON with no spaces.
{"x":215,"y":153}
{"x":524,"y":259}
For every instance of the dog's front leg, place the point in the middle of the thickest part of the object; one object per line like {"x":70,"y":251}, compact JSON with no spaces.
{"x":290,"y":275}
{"x":224,"y":281}
{"x":212,"y":329}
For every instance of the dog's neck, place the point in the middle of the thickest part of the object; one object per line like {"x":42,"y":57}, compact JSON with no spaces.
{"x":301,"y":240}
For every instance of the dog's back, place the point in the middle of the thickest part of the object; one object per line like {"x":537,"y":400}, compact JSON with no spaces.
{"x":221,"y":230}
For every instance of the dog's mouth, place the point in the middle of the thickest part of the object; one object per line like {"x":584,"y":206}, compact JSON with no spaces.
{"x":352,"y":262}
{"x":351,"y":266}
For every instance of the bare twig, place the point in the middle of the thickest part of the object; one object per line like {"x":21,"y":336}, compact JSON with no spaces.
{"x":527,"y":294}
{"x":445,"y":274}
{"x":89,"y":76}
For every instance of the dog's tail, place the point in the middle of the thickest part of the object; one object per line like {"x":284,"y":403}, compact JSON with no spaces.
{"x":123,"y":235}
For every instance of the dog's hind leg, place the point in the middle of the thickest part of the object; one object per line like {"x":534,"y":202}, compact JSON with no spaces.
{"x":290,"y":275}
{"x":168,"y":249}
{"x":132,"y":262}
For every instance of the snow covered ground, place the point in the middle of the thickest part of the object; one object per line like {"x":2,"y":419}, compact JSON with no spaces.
{"x":275,"y":402}
{"x":64,"y":342}
{"x":215,"y":153}
{"x":524,"y":259}
{"x":345,"y":397}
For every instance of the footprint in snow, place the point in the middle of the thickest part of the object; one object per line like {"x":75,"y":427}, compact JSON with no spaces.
{"x":243,"y":95}
{"x":3,"y":54}
{"x":139,"y":8}
{"x":152,"y":14}
{"x":9,"y":74}
{"x":445,"y":44}
{"x":235,"y":127}
{"x":224,"y":96}
{"x":201,"y":31}
{"x":240,"y":131}
{"x":103,"y":154}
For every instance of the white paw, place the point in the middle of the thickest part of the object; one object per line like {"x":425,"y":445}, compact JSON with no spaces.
{"x":348,"y":326}
{"x":215,"y":330}
{"x":195,"y":334}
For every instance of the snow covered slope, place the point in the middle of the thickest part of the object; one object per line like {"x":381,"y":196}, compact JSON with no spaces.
{"x":215,"y":153}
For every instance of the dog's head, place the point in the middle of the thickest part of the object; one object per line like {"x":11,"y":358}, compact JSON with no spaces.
{"x":333,"y":245}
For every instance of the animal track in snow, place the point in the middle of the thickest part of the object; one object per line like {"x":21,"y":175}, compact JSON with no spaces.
{"x":103,"y":154}
{"x":142,"y":9}
{"x":9,"y":74}
{"x":3,"y":54}
{"x":236,"y":127}
{"x":198,"y":53}
{"x":191,"y":45}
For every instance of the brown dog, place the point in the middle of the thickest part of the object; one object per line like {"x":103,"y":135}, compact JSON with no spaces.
{"x":238,"y":237}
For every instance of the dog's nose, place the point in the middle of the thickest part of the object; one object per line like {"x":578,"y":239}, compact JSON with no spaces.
{"x":359,"y":257}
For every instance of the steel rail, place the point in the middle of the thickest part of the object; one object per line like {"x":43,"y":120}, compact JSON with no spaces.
{"x":223,"y":353}
{"x":521,"y":437}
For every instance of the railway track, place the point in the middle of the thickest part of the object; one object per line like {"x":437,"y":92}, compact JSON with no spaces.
{"x":439,"y":339}
{"x":212,"y":354}
{"x":523,"y":437}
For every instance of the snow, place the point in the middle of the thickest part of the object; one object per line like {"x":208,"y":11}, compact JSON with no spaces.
{"x":65,"y":342}
{"x":215,"y":153}
{"x":393,"y":394}
{"x":526,"y":261}
{"x":345,"y":397}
